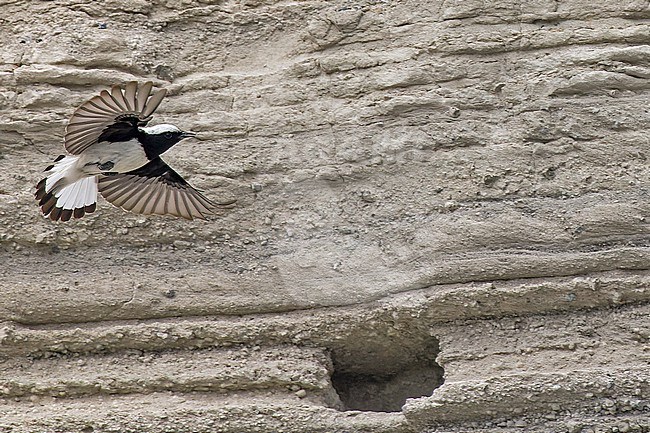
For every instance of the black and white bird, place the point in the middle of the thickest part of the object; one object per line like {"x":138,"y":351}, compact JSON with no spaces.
{"x":111,"y":150}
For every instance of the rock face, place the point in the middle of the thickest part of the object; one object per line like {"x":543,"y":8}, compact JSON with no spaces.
{"x":441,"y":220}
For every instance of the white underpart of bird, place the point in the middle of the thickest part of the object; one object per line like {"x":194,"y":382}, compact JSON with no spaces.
{"x":124,"y":155}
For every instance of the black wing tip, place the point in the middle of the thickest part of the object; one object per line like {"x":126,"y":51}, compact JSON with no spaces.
{"x":47,"y":203}
{"x":66,"y":214}
{"x":56,"y":213}
{"x":40,"y":189}
{"x":51,"y":166}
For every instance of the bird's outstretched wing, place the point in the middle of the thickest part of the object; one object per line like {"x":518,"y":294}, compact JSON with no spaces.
{"x":112,"y":116}
{"x":155,"y":189}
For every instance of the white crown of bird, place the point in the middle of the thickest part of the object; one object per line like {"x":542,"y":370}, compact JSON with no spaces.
{"x":161,"y":129}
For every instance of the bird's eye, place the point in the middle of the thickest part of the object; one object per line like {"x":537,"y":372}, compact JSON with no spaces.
{"x":168,"y":135}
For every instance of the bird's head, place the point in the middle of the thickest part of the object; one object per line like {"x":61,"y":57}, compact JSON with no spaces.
{"x":166,"y":133}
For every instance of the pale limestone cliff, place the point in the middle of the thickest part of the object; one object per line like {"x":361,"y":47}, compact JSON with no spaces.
{"x":430,"y":195}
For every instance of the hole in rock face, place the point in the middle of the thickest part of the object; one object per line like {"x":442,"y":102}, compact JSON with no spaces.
{"x":375,"y":376}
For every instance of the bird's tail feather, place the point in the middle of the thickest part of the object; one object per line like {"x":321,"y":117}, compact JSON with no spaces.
{"x":63,"y":193}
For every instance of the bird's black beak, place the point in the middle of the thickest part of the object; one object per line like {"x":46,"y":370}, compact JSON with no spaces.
{"x":188,"y":134}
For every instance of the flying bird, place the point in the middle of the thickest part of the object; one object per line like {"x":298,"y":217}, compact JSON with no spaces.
{"x":111,"y":150}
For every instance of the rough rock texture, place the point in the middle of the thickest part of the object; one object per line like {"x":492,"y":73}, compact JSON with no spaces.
{"x":431,"y":195}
